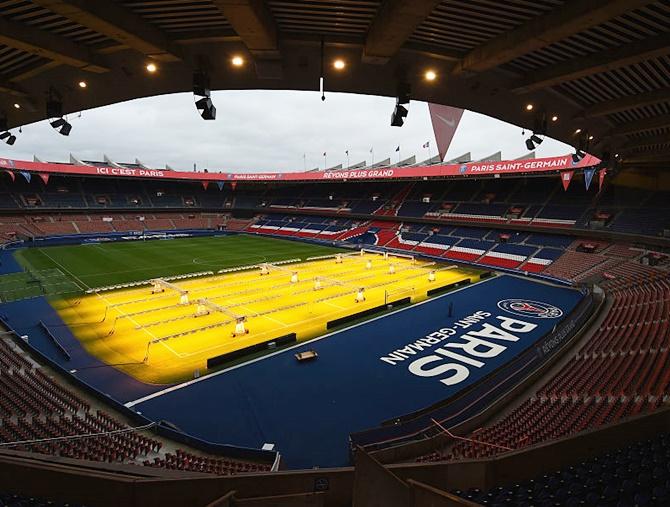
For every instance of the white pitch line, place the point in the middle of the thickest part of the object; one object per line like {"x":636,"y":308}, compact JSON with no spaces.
{"x":177,"y":354}
{"x":124,"y":315}
{"x":77,"y":279}
{"x":334,"y":305}
{"x":263,"y":316}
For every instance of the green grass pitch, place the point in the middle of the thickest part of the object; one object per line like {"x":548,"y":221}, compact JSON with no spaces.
{"x":103,"y":264}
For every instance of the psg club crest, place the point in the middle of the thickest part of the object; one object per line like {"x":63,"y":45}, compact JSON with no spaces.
{"x":528,"y":308}
{"x":463,"y":169}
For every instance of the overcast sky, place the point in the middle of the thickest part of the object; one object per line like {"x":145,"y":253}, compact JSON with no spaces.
{"x":261,"y":130}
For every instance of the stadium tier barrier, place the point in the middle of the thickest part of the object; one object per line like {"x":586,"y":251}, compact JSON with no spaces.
{"x":76,"y":239}
{"x":162,"y":428}
{"x":467,"y":404}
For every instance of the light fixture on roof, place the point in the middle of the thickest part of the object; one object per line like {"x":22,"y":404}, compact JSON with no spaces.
{"x":430,"y":75}
{"x":237,"y":61}
{"x":83,"y":84}
{"x":529,"y":107}
{"x":17,"y":105}
{"x":398,"y":116}
{"x":151,"y":67}
{"x":539,"y":129}
{"x":8,"y":137}
{"x":590,"y":138}
{"x":532,"y":141}
{"x":578,"y":131}
{"x":582,"y":147}
{"x":62,"y":126}
{"x":339,"y":64}
{"x":5,"y":134}
{"x":55,"y":114}
{"x":400,"y":111}
{"x":206,"y":108}
{"x":554,"y":118}
{"x":201,"y":88}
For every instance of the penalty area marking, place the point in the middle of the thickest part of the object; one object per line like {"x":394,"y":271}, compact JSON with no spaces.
{"x":77,"y":280}
{"x":188,"y":383}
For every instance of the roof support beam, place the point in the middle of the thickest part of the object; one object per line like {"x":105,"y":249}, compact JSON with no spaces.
{"x":646,"y":142}
{"x":395,"y":22}
{"x":47,"y":45}
{"x":642,"y":125}
{"x":254,"y":23}
{"x":569,"y":19}
{"x":651,"y":157}
{"x":626,"y":103}
{"x":31,"y":71}
{"x":12,"y":89}
{"x":118,"y":23}
{"x":588,"y":65}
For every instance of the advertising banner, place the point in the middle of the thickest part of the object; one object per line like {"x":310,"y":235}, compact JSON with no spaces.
{"x":471,"y":169}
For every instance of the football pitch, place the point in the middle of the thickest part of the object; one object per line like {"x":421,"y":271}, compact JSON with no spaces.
{"x":252,"y":294}
{"x":101,"y":264}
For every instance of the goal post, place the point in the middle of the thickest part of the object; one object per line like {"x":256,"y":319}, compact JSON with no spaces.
{"x":399,"y":255}
{"x":374,"y":252}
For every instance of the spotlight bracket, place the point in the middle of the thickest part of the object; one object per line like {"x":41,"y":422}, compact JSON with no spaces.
{"x":201,"y":84}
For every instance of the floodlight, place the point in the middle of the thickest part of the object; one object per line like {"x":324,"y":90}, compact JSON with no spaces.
{"x":398,"y":116}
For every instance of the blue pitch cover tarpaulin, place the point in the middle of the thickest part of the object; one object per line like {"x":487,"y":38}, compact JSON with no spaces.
{"x":390,"y":366}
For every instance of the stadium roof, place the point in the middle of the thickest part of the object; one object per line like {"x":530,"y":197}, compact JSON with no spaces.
{"x":602,"y":66}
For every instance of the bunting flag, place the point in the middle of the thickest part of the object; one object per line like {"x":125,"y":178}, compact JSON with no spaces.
{"x":445,"y":120}
{"x":220,"y":185}
{"x":26,"y":175}
{"x":566,"y":178}
{"x":11,"y":174}
{"x":588,"y":176}
{"x":601,"y":178}
{"x":205,"y":184}
{"x":45,"y":177}
{"x":233,"y":185}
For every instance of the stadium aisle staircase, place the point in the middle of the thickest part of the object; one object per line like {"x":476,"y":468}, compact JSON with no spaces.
{"x":353,"y":232}
{"x":386,"y":236}
{"x":390,"y":208}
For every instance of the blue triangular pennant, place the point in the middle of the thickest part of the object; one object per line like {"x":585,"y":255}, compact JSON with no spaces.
{"x":220,"y":184}
{"x":588,"y":176}
{"x":26,"y":175}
